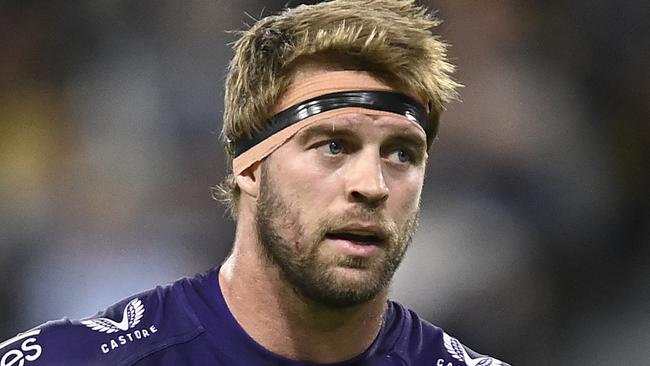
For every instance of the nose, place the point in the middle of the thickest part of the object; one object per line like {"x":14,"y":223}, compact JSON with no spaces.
{"x":366,"y":183}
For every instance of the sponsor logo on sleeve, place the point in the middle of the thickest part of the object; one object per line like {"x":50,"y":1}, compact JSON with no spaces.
{"x":24,"y":349}
{"x":458,"y":352}
{"x":133,"y":313}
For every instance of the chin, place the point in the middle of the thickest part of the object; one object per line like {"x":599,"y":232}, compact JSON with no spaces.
{"x":358,"y":280}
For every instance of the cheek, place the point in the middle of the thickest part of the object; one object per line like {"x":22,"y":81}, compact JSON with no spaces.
{"x":306,"y":190}
{"x":305,"y":183}
{"x":406,"y":193}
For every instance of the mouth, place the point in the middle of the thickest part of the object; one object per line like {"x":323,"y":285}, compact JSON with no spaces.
{"x":359,"y":236}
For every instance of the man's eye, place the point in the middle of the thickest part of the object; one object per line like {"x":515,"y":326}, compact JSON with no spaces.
{"x":400,"y":156}
{"x":332,"y":148}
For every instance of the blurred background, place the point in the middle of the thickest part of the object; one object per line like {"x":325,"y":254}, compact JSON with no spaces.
{"x":534,"y":237}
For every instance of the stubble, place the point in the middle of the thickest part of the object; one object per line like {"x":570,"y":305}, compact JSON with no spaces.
{"x":294,"y":250}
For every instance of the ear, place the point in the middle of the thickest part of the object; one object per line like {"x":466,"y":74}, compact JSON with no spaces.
{"x":249,"y":180}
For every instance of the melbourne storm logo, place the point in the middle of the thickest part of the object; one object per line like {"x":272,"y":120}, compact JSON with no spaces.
{"x":457,"y":351}
{"x":133,"y":312}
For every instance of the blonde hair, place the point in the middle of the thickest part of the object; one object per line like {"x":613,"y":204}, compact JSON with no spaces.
{"x":392,"y":39}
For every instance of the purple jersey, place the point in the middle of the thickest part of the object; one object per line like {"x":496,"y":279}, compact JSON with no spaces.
{"x":188,"y":323}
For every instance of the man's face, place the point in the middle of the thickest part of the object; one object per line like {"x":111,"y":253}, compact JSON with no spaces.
{"x":338,"y":204}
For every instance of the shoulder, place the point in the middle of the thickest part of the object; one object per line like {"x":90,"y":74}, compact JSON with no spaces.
{"x":121,"y":335}
{"x":420,"y":341}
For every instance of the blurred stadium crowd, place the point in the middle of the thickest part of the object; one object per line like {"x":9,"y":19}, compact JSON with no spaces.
{"x":534,"y":235}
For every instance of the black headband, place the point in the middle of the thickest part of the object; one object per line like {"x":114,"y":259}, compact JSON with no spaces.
{"x":377,"y":100}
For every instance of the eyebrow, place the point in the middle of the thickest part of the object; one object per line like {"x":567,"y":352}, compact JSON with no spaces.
{"x":407,"y":138}
{"x":324,"y":130}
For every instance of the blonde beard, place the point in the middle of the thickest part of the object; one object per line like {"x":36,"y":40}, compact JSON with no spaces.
{"x":305,"y":271}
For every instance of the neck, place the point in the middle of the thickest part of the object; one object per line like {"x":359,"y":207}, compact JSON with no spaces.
{"x":286,"y":323}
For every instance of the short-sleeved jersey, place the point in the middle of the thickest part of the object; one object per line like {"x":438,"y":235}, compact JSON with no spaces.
{"x":189,"y":323}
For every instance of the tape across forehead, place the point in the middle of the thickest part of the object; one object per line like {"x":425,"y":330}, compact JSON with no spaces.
{"x":322,"y":96}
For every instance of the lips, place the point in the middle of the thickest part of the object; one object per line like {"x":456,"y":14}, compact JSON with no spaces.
{"x":369,"y":235}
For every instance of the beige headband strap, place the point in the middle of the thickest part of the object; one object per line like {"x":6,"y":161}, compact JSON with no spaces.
{"x":325,"y":83}
{"x":307,"y":88}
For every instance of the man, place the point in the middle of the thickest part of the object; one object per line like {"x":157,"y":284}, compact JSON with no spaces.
{"x":330,"y":110}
